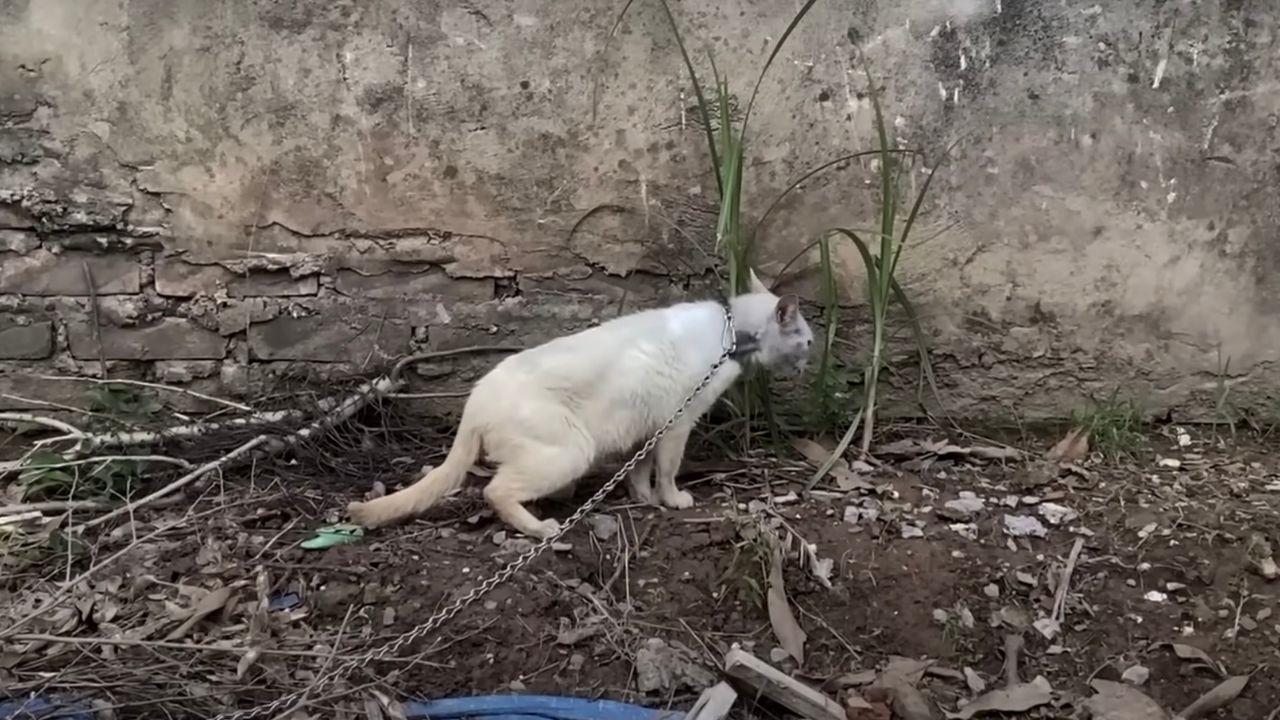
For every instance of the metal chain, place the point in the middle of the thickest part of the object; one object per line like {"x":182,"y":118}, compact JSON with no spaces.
{"x":449,"y":611}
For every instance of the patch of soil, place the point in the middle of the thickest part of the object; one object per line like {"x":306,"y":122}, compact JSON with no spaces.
{"x":1168,"y":557}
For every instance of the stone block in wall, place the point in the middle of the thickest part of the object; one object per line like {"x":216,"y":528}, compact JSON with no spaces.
{"x":44,"y":273}
{"x":168,"y":339}
{"x":33,"y":341}
{"x":178,"y":278}
{"x":396,"y":284}
{"x":18,"y":241}
{"x":13,"y":216}
{"x":337,"y":336}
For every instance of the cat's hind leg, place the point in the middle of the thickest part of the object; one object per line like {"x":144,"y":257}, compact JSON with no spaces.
{"x":640,"y":481}
{"x":536,"y":472}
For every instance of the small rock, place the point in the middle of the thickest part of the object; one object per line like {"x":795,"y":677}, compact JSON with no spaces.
{"x":500,"y":537}
{"x":1025,"y":578}
{"x":1155,"y":596}
{"x":517,"y":545}
{"x":388,"y":616}
{"x":968,"y":531}
{"x":490,"y":605}
{"x":1024,"y":526}
{"x":576,"y":661}
{"x":659,"y":666}
{"x":603,"y":526}
{"x":561,"y":547}
{"x":1263,"y":614}
{"x":1174,"y":463}
{"x":787,"y":499}
{"x":778,"y":656}
{"x":1056,"y":514}
{"x":1248,"y":623}
{"x":1048,"y":627}
{"x":991,"y":590}
{"x":912,"y":531}
{"x":967,"y":505}
{"x":1267,"y":568}
{"x":516,"y":686}
{"x":941,"y":616}
{"x":1136,"y":675}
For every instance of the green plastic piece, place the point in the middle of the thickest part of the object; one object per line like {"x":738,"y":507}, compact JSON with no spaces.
{"x":334,"y":535}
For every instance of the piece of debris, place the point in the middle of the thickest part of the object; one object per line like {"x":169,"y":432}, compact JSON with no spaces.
{"x":1072,"y":448}
{"x":332,"y":536}
{"x":789,"y":633}
{"x":898,"y":683}
{"x":1155,"y":596}
{"x":664,"y":667}
{"x":965,"y":506}
{"x":968,"y":531}
{"x":991,"y":590}
{"x":1222,"y":695}
{"x":603,"y":527}
{"x":974,"y":681}
{"x":1024,"y":526}
{"x":857,"y":515}
{"x":857,"y":707}
{"x":912,"y":529}
{"x":1118,"y":701}
{"x":714,"y":703}
{"x":1013,"y":699}
{"x":1048,"y":627}
{"x":1056,"y":514}
{"x":1173,"y":463}
{"x":284,"y":601}
{"x":1136,"y":675}
{"x":779,"y":687}
{"x":212,"y":602}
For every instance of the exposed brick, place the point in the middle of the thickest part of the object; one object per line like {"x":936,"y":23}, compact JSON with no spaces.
{"x":396,"y":284}
{"x":330,"y":338}
{"x":177,"y":278}
{"x":13,"y":216}
{"x":26,"y":342}
{"x":44,"y":273}
{"x":17,"y":241}
{"x":169,"y":339}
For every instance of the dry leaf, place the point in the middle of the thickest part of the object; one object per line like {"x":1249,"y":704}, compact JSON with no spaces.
{"x":1219,"y":697}
{"x":906,"y":701}
{"x":1119,"y":701}
{"x":790,"y":636}
{"x":394,"y":710}
{"x":1012,"y":699}
{"x":976,"y":684}
{"x":211,"y":603}
{"x":812,"y":451}
{"x":911,"y":669}
{"x":857,"y":708}
{"x":246,"y":661}
{"x":1072,"y":448}
{"x":1190,"y":652}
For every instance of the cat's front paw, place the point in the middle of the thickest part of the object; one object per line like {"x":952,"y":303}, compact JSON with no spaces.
{"x":677,"y":500}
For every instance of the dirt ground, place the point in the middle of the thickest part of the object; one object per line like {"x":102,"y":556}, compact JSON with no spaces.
{"x":935,"y":553}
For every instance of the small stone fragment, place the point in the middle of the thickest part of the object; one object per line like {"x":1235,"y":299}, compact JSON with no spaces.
{"x":1136,"y":675}
{"x":991,"y":590}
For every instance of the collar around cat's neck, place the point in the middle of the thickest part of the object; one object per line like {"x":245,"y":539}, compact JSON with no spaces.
{"x":746,"y":343}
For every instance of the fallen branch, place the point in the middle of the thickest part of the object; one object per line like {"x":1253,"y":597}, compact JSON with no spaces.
{"x":70,"y":430}
{"x":51,"y":506}
{"x":338,"y":410}
{"x":1060,"y":597}
{"x":152,"y":386}
{"x":100,"y":459}
{"x":171,"y":645}
{"x":180,"y":483}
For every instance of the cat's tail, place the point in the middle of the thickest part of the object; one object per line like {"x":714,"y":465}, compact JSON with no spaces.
{"x":428,"y":490}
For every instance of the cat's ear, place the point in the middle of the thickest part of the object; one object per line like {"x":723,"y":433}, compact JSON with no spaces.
{"x":787,"y":311}
{"x":756,"y":285}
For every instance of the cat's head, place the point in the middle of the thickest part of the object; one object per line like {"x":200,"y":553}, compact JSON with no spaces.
{"x":785,"y":339}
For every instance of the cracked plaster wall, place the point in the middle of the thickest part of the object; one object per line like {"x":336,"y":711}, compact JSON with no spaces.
{"x":250,"y":188}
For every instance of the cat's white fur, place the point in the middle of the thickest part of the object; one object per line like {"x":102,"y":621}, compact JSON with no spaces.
{"x":545,"y":415}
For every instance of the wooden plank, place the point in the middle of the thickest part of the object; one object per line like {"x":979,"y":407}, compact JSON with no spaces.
{"x":781,"y":688}
{"x":714,"y":703}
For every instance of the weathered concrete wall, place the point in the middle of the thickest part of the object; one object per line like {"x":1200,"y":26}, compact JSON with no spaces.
{"x":250,"y":186}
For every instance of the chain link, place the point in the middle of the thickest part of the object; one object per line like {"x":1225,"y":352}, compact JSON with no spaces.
{"x":433,"y":623}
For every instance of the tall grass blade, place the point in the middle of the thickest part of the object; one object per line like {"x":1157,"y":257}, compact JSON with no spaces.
{"x":697,"y":90}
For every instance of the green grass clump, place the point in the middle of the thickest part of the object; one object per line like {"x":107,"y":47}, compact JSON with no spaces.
{"x":1117,"y":426}
{"x":726,"y":132}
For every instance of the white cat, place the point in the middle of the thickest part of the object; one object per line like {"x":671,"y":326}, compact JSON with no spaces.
{"x":545,"y":415}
